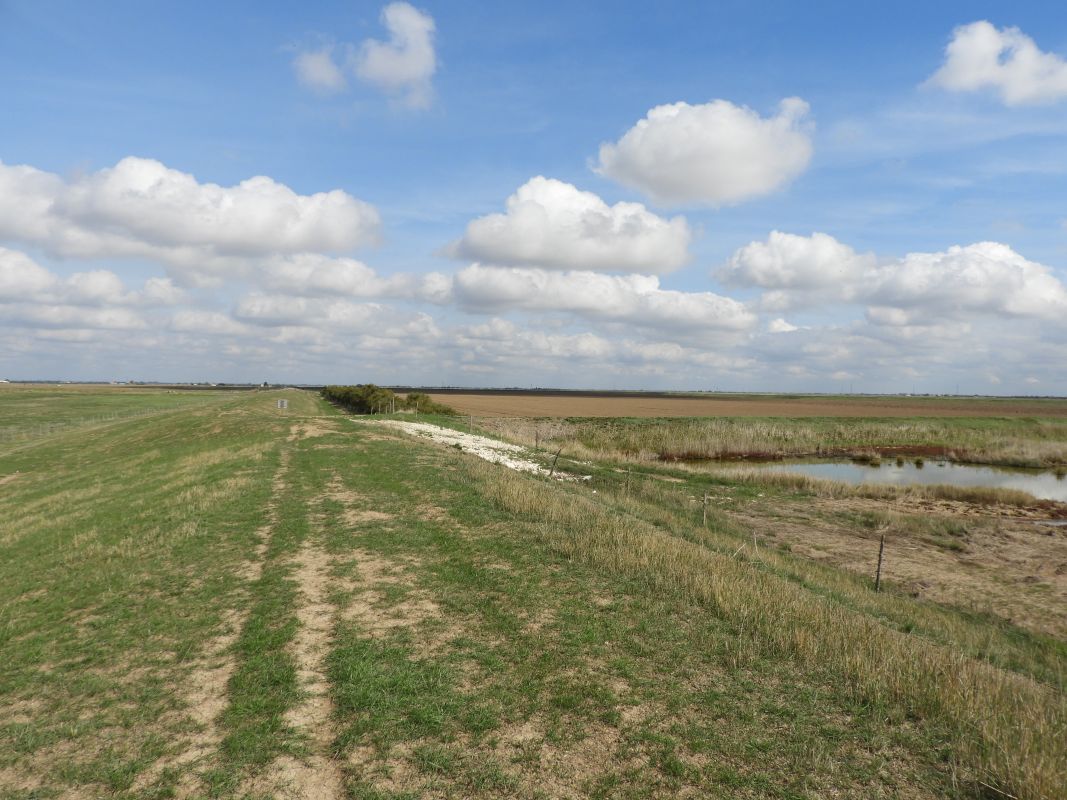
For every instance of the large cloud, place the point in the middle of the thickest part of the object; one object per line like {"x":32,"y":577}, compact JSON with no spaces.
{"x":554,"y":225}
{"x":404,"y":65}
{"x":788,"y":261}
{"x":23,"y":280}
{"x":712,"y":154}
{"x":982,"y":279}
{"x":1006,"y":60}
{"x":312,"y":274}
{"x":499,"y":339}
{"x":631,"y":299}
{"x":36,"y":298}
{"x":141,"y":208}
{"x":987,"y":278}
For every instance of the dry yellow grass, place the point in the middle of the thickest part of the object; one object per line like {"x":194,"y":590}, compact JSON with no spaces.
{"x":1022,"y":442}
{"x":1009,"y":732}
{"x":577,"y":404}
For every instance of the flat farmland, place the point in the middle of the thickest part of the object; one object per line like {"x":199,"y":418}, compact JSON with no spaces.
{"x":522,"y":404}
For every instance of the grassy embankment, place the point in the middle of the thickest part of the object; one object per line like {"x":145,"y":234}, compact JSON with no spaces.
{"x":226,"y":600}
{"x":31,"y":411}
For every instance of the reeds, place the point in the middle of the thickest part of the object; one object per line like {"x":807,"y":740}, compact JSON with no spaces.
{"x":1008,"y":442}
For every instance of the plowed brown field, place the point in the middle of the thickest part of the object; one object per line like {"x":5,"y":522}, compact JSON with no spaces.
{"x":514,"y":404}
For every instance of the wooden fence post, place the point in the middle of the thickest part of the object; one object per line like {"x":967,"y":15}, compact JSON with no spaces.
{"x":705,"y":508}
{"x":878,"y":574}
{"x":552,"y":471}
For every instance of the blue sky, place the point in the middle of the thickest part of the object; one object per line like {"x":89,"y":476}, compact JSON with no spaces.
{"x":890,"y":163}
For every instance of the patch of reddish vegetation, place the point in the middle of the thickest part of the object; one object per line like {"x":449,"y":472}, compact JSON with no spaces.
{"x":1052,"y":508}
{"x":739,"y":455}
{"x":936,"y":452}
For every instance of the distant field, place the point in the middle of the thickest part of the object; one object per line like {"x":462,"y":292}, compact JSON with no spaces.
{"x":516,"y":404}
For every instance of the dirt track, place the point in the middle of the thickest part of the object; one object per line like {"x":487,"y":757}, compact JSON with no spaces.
{"x":514,"y":404}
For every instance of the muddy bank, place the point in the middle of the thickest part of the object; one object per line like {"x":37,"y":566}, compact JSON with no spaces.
{"x":862,"y":454}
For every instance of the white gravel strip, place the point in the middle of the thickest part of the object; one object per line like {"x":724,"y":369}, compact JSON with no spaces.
{"x":493,"y":450}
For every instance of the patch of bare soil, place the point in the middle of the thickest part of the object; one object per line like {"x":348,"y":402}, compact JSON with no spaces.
{"x":310,"y":429}
{"x":15,"y":781}
{"x":19,"y":712}
{"x":432,"y":513}
{"x":564,"y":770}
{"x":14,"y":476}
{"x":336,"y":490}
{"x":370,"y":610}
{"x":355,"y":516}
{"x":540,"y":620}
{"x":1004,"y":565}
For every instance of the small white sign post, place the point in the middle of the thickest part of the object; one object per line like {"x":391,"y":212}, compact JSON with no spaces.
{"x":283,"y":404}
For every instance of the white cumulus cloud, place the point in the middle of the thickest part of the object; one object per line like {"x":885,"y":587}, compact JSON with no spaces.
{"x":337,"y":315}
{"x":631,"y":299}
{"x":555,"y":225}
{"x":317,"y":70}
{"x":24,"y":280}
{"x":1006,"y":60}
{"x":788,"y":261}
{"x":780,"y":325}
{"x":404,"y":65}
{"x":981,"y":279}
{"x":141,"y":208}
{"x":712,"y":154}
{"x":313,"y":274}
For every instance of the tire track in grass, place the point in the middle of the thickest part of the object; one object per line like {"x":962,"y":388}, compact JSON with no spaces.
{"x":309,"y":772}
{"x":263,"y":685}
{"x":316,"y":776}
{"x":205,"y":688}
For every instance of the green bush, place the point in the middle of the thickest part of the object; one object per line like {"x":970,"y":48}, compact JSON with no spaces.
{"x":366,"y":398}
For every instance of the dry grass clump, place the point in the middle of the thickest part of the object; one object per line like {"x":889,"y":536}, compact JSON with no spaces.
{"x":1010,"y":732}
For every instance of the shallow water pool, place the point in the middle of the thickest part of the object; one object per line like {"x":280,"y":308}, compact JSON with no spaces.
{"x":1045,"y":485}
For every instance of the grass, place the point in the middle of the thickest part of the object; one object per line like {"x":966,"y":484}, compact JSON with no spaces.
{"x":1008,"y":728}
{"x":28,"y":411}
{"x":486,"y":634}
{"x":1008,"y":441}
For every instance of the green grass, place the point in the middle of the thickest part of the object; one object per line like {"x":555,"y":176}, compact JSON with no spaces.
{"x":489,"y":634}
{"x":28,"y":412}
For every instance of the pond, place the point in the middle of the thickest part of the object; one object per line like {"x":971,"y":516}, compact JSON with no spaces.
{"x":1044,"y":485}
